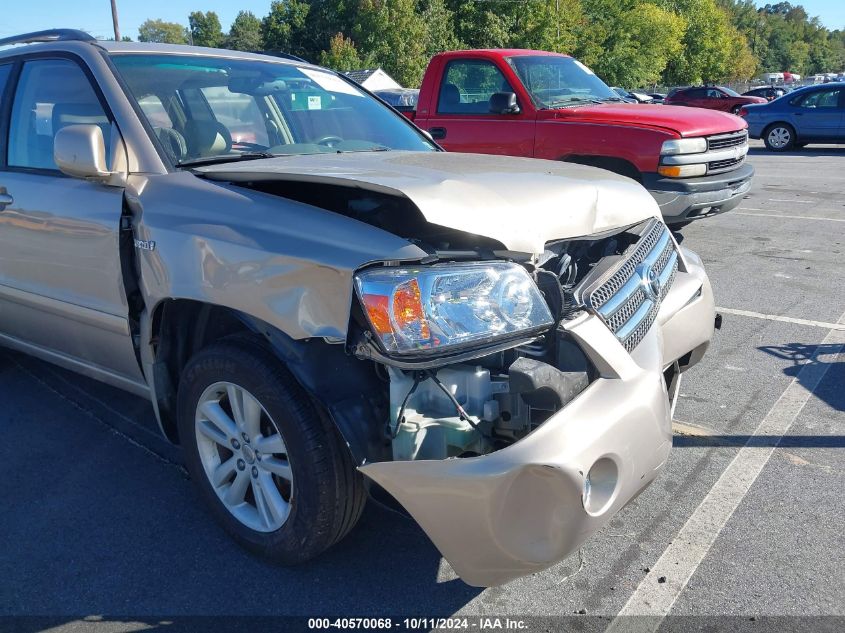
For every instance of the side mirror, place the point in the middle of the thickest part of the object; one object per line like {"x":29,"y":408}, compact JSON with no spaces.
{"x":503,"y":103}
{"x":80,"y":151}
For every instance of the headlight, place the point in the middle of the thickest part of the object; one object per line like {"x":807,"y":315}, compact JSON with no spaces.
{"x":682,"y":171}
{"x":684,"y":146}
{"x":429,"y":309}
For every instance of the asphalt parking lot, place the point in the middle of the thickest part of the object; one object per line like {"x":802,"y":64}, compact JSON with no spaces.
{"x":99,"y":517}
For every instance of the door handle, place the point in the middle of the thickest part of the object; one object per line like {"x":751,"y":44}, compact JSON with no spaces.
{"x":5,"y":200}
{"x":437,"y":133}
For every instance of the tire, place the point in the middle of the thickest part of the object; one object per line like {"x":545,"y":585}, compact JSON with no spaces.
{"x":735,"y":110}
{"x":319,"y":495}
{"x":779,"y":137}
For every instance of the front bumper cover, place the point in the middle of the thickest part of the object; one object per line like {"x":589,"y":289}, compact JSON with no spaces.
{"x":523,"y":508}
{"x":685,"y":199}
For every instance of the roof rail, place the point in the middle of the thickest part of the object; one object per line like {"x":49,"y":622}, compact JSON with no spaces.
{"x":50,"y":35}
{"x":283,"y":56}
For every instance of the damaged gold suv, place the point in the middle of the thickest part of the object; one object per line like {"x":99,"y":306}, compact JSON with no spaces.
{"x":318,"y":301}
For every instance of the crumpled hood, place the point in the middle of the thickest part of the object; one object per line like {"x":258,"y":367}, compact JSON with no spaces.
{"x":522,"y":203}
{"x":687,"y":122}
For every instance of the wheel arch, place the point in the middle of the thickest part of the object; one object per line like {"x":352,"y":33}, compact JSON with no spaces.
{"x":617,"y":165}
{"x":345,"y":389}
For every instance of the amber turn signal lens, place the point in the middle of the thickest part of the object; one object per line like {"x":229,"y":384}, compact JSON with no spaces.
{"x":670,"y":171}
{"x":377,"y":310}
{"x":408,"y":308}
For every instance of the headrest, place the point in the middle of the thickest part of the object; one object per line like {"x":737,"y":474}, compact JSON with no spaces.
{"x":206,"y":138}
{"x":450,"y":95}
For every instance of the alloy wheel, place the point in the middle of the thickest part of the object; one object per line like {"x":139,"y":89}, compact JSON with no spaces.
{"x":244,"y":456}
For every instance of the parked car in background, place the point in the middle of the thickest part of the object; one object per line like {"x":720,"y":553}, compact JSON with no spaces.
{"x":495,"y":341}
{"x":634,"y":96}
{"x":814,"y":114}
{"x":769,"y":93}
{"x":657,"y":96}
{"x":624,"y":95}
{"x":710,"y":97}
{"x":547,"y":105}
{"x":399,"y":98}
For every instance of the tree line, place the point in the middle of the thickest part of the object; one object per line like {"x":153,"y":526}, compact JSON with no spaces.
{"x":631,"y":43}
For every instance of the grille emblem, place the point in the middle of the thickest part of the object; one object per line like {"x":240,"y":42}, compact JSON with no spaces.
{"x":650,"y":281}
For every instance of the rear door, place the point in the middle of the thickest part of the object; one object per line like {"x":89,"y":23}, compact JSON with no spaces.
{"x":61,"y":287}
{"x":818,"y":114}
{"x":461,"y":120}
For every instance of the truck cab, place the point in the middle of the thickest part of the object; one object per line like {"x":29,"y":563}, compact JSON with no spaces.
{"x":547,"y":105}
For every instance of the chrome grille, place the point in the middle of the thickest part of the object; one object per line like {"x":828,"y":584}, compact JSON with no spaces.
{"x":624,"y":298}
{"x":723,"y":141}
{"x":724,"y":165}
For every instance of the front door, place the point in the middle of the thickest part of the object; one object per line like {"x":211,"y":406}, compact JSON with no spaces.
{"x":819,"y":114}
{"x":462,"y":121}
{"x":61,"y":287}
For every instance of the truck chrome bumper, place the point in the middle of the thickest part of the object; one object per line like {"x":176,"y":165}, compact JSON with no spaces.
{"x":525,"y":507}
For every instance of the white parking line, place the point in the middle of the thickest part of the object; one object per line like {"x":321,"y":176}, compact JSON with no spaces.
{"x":790,"y":217}
{"x":679,"y":561}
{"x":793,"y":201}
{"x":784,"y":319}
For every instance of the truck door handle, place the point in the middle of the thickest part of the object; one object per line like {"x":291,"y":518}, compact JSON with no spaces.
{"x":437,"y":133}
{"x":5,"y":200}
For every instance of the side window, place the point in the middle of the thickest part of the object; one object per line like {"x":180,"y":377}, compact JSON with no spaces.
{"x":821,"y":99}
{"x":467,"y":86}
{"x":714,"y":94}
{"x":51,"y":94}
{"x":696,"y":93}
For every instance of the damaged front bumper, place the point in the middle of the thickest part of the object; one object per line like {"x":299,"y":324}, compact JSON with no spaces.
{"x":527,"y":506}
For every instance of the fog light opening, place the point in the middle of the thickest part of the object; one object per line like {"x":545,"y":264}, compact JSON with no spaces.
{"x":600,"y":486}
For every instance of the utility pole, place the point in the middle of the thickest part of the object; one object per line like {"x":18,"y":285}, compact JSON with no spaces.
{"x":114,"y":20}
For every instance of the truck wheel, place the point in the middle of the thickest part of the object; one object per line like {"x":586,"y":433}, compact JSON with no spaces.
{"x":273,"y":471}
{"x":779,"y":137}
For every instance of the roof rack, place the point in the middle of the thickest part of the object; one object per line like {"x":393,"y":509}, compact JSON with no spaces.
{"x":50,"y":35}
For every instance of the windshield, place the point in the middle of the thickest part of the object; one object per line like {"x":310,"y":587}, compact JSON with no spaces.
{"x":555,"y":82}
{"x":730,"y":92}
{"x":212,"y":109}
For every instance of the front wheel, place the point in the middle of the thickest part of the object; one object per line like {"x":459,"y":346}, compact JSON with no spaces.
{"x":735,"y":110}
{"x":779,"y":137}
{"x":273,"y":471}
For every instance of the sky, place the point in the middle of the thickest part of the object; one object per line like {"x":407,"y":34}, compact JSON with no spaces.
{"x":94,"y":16}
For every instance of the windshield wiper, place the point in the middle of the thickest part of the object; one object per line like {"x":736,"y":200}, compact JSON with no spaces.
{"x":605,"y":99}
{"x":225,"y":158}
{"x":572,"y":101}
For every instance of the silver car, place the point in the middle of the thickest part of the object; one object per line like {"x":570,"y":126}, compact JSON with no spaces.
{"x":317,"y":300}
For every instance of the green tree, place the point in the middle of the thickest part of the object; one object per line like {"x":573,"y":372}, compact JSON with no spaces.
{"x":630,"y":43}
{"x":161,"y":31}
{"x":441,"y":27}
{"x":245,"y":33}
{"x":205,"y":29}
{"x":713,"y":49}
{"x":342,"y":54}
{"x":395,"y":36}
{"x":284,"y":28}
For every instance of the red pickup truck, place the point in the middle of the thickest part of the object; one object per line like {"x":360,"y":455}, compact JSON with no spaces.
{"x":547,"y":105}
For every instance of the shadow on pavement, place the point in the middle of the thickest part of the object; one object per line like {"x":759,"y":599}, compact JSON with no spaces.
{"x":800,"y":354}
{"x":815,"y":151}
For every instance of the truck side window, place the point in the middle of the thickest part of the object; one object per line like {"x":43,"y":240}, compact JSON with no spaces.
{"x":51,"y":94}
{"x":467,"y":86}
